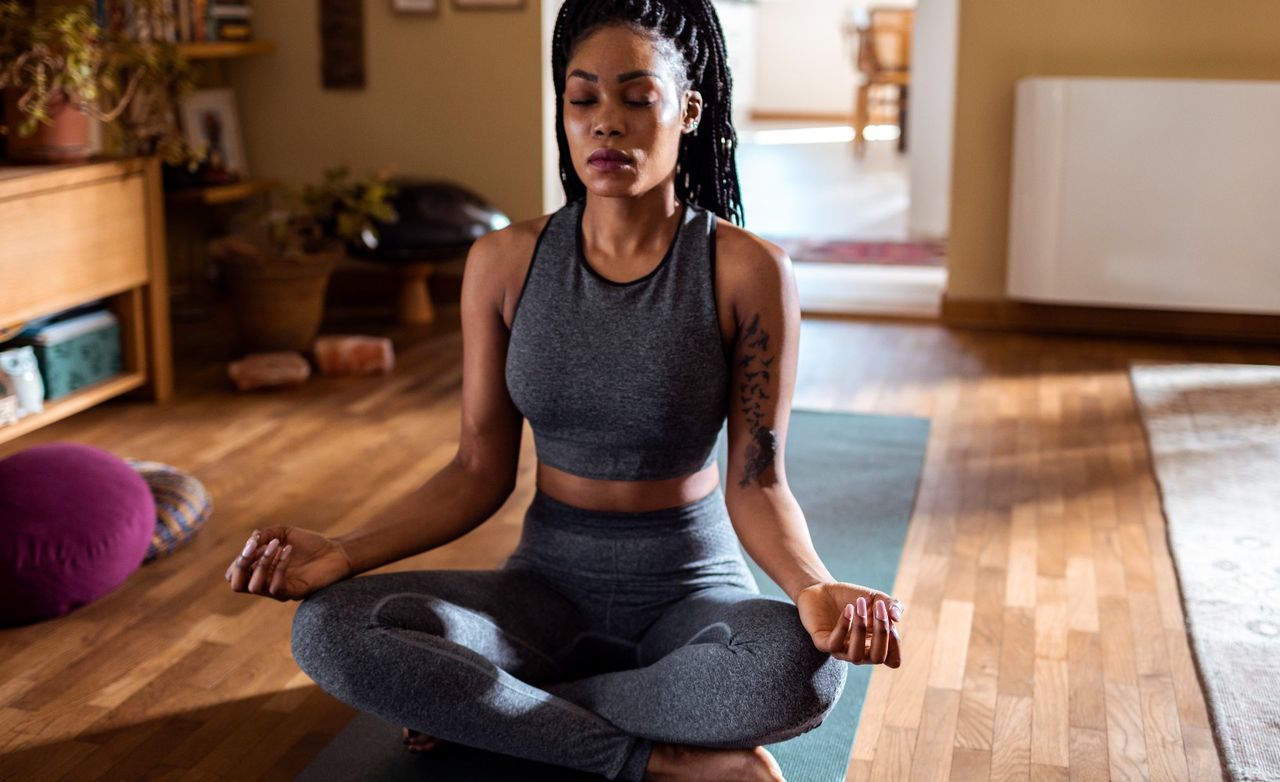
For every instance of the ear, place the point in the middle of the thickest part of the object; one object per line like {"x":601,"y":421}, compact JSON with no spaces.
{"x":692,"y":109}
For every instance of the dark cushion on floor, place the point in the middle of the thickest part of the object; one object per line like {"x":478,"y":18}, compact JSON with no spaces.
{"x":183,"y":505}
{"x":75,"y":521}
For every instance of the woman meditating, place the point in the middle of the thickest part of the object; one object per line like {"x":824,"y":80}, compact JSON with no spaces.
{"x":625,"y":635}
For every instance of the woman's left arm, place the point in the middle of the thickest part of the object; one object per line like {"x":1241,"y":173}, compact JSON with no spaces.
{"x":765,"y":514}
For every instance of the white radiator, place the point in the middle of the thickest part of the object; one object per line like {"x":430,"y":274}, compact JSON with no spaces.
{"x":1150,"y":193}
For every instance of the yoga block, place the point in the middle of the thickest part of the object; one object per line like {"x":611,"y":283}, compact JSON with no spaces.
{"x":353,"y":355}
{"x":266,"y":370}
{"x":76,"y":352}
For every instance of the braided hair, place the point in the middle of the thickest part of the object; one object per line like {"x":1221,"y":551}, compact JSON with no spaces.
{"x":706,"y":171}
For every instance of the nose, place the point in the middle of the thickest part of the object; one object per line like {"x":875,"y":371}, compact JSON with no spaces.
{"x":607,"y":122}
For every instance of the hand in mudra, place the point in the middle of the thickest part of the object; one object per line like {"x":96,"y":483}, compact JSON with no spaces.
{"x":851,"y":622}
{"x":287,"y":563}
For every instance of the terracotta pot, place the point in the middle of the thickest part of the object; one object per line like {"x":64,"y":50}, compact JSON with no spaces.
{"x":278,"y":304}
{"x":67,"y":140}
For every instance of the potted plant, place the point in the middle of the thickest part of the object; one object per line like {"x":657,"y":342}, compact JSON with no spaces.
{"x":277,"y":261}
{"x":59,"y":68}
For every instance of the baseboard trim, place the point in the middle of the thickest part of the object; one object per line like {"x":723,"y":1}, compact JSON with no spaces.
{"x":800,"y":116}
{"x":1007,"y":315}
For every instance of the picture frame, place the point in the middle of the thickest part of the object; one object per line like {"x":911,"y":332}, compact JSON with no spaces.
{"x":488,"y":5}
{"x":209,"y":116}
{"x":420,"y":7}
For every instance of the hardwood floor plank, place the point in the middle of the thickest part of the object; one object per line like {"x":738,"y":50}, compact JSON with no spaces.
{"x":1126,"y":739}
{"x":1089,"y":755}
{"x":1088,"y":701}
{"x":1203,"y":764}
{"x":1017,"y":652}
{"x":982,"y":665}
{"x":1166,"y":754}
{"x":1050,"y":739}
{"x":1082,"y":593}
{"x":949,"y":654}
{"x":970,"y":765}
{"x":1011,"y":741}
{"x":935,"y":741}
{"x":1051,"y":625}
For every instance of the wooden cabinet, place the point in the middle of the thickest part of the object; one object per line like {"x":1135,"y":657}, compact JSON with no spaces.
{"x":74,"y":233}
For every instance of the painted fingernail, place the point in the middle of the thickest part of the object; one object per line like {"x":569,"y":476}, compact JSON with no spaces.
{"x":881,"y":613}
{"x":862,"y":608}
{"x":848,"y":611}
{"x":249,"y":547}
{"x":271,"y":547}
{"x":896,"y":610}
{"x":285,"y":554}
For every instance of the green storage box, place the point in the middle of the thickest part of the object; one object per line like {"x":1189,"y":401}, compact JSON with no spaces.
{"x":77,"y":352}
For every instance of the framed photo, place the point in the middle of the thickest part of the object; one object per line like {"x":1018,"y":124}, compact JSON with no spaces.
{"x":429,"y":7}
{"x":209,"y":117}
{"x":488,"y":5}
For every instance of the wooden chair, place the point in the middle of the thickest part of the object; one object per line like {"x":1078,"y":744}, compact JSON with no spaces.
{"x":882,"y":55}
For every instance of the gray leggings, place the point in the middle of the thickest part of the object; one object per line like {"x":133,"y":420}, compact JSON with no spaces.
{"x":601,"y":634}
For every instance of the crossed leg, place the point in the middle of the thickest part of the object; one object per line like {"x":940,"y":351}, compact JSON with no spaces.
{"x":456,"y":654}
{"x":722,"y":667}
{"x":494,"y":659}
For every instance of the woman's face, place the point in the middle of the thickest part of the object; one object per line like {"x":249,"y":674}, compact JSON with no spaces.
{"x":620,"y":94}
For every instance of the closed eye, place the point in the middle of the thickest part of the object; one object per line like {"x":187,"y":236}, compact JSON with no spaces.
{"x":630,"y":102}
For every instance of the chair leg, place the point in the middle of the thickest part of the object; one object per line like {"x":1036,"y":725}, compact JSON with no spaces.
{"x":413,"y":305}
{"x":903,"y":102}
{"x":860,"y":120}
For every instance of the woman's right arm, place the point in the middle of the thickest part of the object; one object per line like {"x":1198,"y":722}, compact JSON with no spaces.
{"x":289,"y":563}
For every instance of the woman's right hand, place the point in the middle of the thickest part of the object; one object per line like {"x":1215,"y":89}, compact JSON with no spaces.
{"x":288,"y":563}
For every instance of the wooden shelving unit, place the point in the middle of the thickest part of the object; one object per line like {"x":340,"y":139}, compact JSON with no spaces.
{"x":198,"y":213}
{"x":223,"y":194}
{"x":214,"y":50}
{"x":73,"y":403}
{"x":80,"y":232}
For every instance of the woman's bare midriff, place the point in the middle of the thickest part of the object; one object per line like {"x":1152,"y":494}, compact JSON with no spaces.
{"x":626,"y":496}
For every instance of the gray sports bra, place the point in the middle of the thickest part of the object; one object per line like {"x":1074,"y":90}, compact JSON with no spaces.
{"x":620,"y":380}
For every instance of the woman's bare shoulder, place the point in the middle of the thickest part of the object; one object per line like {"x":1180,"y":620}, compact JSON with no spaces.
{"x":504,"y":245}
{"x":742,"y":257}
{"x":503,"y":257}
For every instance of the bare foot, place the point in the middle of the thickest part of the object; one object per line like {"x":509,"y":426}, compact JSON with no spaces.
{"x":683,"y":763}
{"x":418,"y":742}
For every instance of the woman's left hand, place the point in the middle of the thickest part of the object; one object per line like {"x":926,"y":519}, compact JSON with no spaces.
{"x":851,"y":622}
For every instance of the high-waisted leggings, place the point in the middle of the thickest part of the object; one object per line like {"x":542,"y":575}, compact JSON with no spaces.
{"x":603,"y":633}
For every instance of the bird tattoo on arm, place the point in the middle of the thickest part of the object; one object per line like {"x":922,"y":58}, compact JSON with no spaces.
{"x":755,"y":368}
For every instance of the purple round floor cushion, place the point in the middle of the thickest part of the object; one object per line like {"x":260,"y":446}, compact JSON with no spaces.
{"x":75,"y":521}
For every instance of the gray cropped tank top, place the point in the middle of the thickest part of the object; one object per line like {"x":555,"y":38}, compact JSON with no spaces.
{"x":620,"y":380}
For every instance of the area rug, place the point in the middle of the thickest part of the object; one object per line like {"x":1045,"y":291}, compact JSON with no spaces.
{"x":855,"y":476}
{"x":931,"y":254}
{"x":1214,"y":436}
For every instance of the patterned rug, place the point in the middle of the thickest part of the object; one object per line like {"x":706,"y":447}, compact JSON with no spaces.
{"x":1214,"y":435}
{"x":932,"y":254}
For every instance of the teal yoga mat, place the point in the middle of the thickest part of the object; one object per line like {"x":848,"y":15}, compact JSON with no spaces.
{"x":855,"y":476}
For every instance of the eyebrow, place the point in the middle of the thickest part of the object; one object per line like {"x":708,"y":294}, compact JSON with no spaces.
{"x":629,"y":75}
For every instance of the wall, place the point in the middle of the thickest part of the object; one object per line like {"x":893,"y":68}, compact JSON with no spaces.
{"x":454,"y":96}
{"x":1000,"y":41}
{"x":932,"y":117}
{"x":796,"y":35}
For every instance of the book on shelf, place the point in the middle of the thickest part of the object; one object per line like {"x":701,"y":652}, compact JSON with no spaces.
{"x":180,"y":21}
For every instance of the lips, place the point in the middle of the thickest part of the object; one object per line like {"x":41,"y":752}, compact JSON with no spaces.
{"x":613,"y":155}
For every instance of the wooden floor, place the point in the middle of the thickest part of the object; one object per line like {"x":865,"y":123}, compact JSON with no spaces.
{"x":1043,"y":637}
